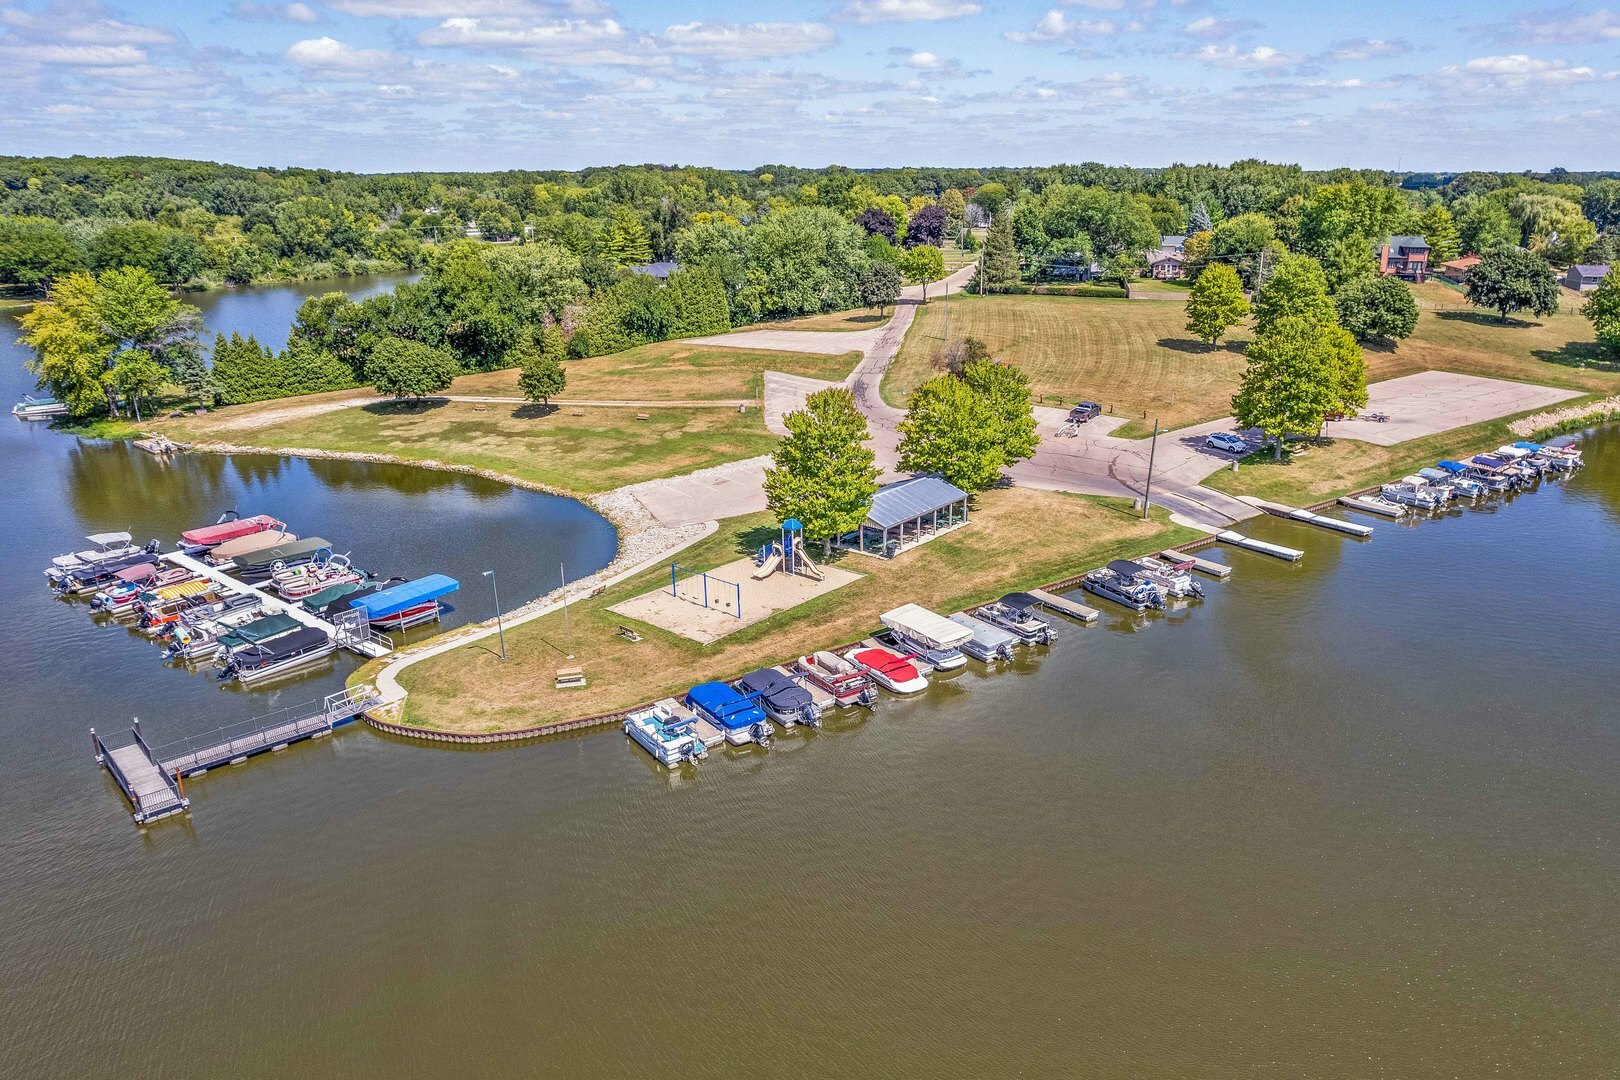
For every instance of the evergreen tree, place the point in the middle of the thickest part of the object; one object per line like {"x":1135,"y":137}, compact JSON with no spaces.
{"x":1510,"y":280}
{"x":823,"y":473}
{"x":697,"y":300}
{"x":246,"y":371}
{"x":1199,"y":220}
{"x":1296,"y":288}
{"x":950,"y":430}
{"x":1006,"y":391}
{"x":1000,"y":270}
{"x":1216,"y":304}
{"x":880,"y":285}
{"x":191,"y":371}
{"x":1377,"y":307}
{"x":627,"y":242}
{"x":1291,"y":381}
{"x":1603,"y":309}
{"x":1440,"y":230}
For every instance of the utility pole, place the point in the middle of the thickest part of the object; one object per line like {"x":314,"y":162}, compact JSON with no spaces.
{"x":568,"y":631}
{"x":1153,"y":448}
{"x":500,"y":627}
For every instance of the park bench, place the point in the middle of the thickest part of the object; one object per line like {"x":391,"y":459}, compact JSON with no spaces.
{"x":570,"y":678}
{"x":628,"y":634}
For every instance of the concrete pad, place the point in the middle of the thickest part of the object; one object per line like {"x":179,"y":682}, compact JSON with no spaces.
{"x":759,"y":599}
{"x":724,"y":491}
{"x":785,"y":394}
{"x":1434,"y":401}
{"x":820,"y":342}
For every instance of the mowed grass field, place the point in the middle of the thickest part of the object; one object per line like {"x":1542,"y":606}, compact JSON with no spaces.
{"x":600,"y":449}
{"x":856,"y":319}
{"x":1018,"y":538}
{"x":1133,"y":356}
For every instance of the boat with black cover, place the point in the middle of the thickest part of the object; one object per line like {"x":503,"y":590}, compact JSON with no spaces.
{"x":279,"y":655}
{"x":784,"y":700}
{"x":1015,"y":613}
{"x":1122,"y":587}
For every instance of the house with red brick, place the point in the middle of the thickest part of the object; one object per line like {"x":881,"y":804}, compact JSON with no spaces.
{"x":1405,"y":257}
{"x":1457,"y":269}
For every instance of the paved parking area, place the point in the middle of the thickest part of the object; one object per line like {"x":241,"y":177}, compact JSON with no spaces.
{"x":721,"y":492}
{"x":1434,"y":401}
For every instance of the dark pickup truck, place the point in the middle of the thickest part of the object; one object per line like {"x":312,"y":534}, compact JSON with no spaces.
{"x":1086,"y":410}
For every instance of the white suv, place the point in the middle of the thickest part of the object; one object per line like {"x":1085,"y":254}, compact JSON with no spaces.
{"x":1225,"y":440}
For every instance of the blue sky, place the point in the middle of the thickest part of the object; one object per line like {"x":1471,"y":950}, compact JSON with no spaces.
{"x":379,"y":85}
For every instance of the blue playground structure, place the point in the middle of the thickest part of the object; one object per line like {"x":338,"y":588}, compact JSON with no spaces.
{"x":786,"y":554}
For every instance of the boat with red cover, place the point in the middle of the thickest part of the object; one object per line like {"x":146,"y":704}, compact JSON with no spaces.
{"x":229,"y":527}
{"x":888,"y":669}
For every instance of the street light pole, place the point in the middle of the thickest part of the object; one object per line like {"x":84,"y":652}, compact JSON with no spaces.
{"x":500,"y":627}
{"x":568,"y":631}
{"x":1153,"y":447}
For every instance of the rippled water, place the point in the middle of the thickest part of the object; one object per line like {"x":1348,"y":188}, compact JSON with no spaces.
{"x":1353,"y":817}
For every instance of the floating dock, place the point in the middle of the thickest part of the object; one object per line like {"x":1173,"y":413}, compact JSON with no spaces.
{"x":822,"y":698}
{"x":1064,"y":606}
{"x":1358,"y":502}
{"x":1203,"y":566}
{"x":1349,"y":528}
{"x":352,"y":633}
{"x":1248,"y":543}
{"x":150,"y":778}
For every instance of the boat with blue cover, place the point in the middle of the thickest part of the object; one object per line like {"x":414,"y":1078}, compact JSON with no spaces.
{"x":410,"y":604}
{"x":735,"y":713}
{"x":1488,"y":479}
{"x":664,"y":734}
{"x":784,"y":700}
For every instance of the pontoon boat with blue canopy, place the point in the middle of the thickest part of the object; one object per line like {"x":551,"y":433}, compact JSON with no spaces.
{"x":739,"y":716}
{"x":409,"y":604}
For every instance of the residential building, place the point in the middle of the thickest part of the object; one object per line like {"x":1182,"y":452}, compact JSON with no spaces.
{"x":1457,"y":269}
{"x":658,"y":270}
{"x":1173,"y":243}
{"x":1405,"y":257}
{"x":1166,"y":264}
{"x":1586,"y":278}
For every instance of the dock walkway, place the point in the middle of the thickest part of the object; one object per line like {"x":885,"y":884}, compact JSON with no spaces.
{"x":149,"y":777}
{"x":1203,"y":566}
{"x":354,"y":635}
{"x":1339,"y":525}
{"x":1249,"y":543}
{"x":1065,"y":606}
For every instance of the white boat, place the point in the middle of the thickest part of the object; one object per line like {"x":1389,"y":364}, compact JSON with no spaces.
{"x":292,"y":651}
{"x":932,"y":637}
{"x":1463,"y":487}
{"x":667,"y":737}
{"x":1418,"y":492}
{"x":989,"y":643}
{"x":307,"y":579}
{"x":1015,"y":613}
{"x":1172,"y":579}
{"x":847,"y":684}
{"x":104,"y":548}
{"x":38,"y":408}
{"x":888,"y":669}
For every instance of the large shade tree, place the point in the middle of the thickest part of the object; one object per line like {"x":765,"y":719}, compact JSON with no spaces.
{"x":1507,"y":279}
{"x":823,"y":473}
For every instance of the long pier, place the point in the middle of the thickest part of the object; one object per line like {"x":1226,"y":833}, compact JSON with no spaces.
{"x":1249,"y":543}
{"x":353,"y":634}
{"x":1064,"y":606}
{"x":151,"y":778}
{"x":1349,"y":528}
{"x":1203,"y":566}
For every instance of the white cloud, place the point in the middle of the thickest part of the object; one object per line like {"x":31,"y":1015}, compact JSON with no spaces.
{"x":1259,"y":58}
{"x":251,"y":11}
{"x":561,"y":41}
{"x":1210,"y":28}
{"x":1055,"y":25}
{"x":434,"y":9}
{"x":1367,"y":49}
{"x":924,"y":61}
{"x":1517,"y":71}
{"x":729,"y":41}
{"x":51,"y":26}
{"x":91,"y":56}
{"x":889,"y":11}
{"x":330,"y":54}
{"x":1562,"y":26}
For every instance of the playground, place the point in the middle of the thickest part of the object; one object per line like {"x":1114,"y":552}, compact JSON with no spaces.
{"x":706,"y":605}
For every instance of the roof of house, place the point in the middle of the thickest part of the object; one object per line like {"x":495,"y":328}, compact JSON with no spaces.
{"x":1166,"y":255}
{"x":1598,"y":270}
{"x":1408,"y":243}
{"x":657,"y":269}
{"x":1467,"y":262}
{"x":1171,"y":240}
{"x":906,"y":500}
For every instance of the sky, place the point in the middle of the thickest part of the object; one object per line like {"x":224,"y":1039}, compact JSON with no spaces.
{"x":392,"y":85}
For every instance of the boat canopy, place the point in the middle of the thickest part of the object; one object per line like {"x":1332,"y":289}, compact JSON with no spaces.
{"x":1434,"y":474}
{"x":725,"y":704}
{"x":109,"y":539}
{"x":1126,"y":568}
{"x":922,"y":625}
{"x":888,"y":663}
{"x":298,"y":549}
{"x":138,"y":572}
{"x":209,"y":535}
{"x":289,"y":644}
{"x":386,"y":602}
{"x":246,"y":545}
{"x":1452,"y":466}
{"x":1530,"y":446}
{"x":332,"y":592}
{"x":1021,"y":601}
{"x":260,"y":630}
{"x":333,"y":608}
{"x":776,"y":688}
{"x":991,"y":637}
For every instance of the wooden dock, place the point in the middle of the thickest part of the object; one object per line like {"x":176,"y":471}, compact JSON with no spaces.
{"x":353,"y":633}
{"x":1349,"y":528}
{"x":1248,"y":543}
{"x":1203,"y":566}
{"x":1065,"y":606}
{"x":1360,"y":502}
{"x":150,"y":777}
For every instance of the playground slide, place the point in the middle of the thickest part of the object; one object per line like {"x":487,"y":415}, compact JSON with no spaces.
{"x":769,"y":567}
{"x":808,"y":568}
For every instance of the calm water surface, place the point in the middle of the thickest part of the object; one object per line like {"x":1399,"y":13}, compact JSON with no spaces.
{"x":1354,"y":817}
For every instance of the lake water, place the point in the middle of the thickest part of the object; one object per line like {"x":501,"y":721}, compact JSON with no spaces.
{"x":1353,"y":817}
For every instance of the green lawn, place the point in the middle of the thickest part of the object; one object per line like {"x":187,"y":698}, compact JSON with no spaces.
{"x":854,"y":319}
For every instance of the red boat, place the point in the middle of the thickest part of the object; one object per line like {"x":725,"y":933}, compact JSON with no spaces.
{"x":208,"y":536}
{"x":888,"y":669}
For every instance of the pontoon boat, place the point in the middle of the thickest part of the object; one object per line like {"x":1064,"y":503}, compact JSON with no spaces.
{"x":784,"y":700}
{"x":38,"y":408}
{"x":1015,"y":613}
{"x":1175,"y":579}
{"x":667,"y":737}
{"x":933,"y":638}
{"x":989,"y":643}
{"x":1122,"y":589}
{"x":738,"y":716}
{"x":279,"y":655}
{"x":1416,"y":491}
{"x":262,"y":564}
{"x":245,"y":546}
{"x":107,"y":546}
{"x":410,"y":604}
{"x":848,"y":684}
{"x":229,"y":527}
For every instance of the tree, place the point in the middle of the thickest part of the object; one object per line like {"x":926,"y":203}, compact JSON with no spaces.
{"x":802,"y":260}
{"x":1349,"y":260}
{"x":1510,"y":280}
{"x":1195,"y":254}
{"x":246,"y":371}
{"x":991,"y":198}
{"x":927,"y":226}
{"x":1440,"y":230}
{"x":541,"y":371}
{"x":950,"y":430}
{"x":955,"y":210}
{"x":823,"y":474}
{"x":1006,"y":391}
{"x":627,"y":243}
{"x":697,"y":301}
{"x":190,"y":371}
{"x":880,"y":285}
{"x":876,"y":222}
{"x":135,"y":375}
{"x":1247,"y":241}
{"x":1377,"y":307}
{"x":1602,"y":308}
{"x":409,"y":369}
{"x":921,"y":265}
{"x":1296,"y":288}
{"x":1483,"y":223}
{"x":1291,"y":380}
{"x":1199,"y":220}
{"x":71,"y":353}
{"x":1000,"y":270}
{"x":36,"y":251}
{"x":1349,"y":371}
{"x":1601,"y":205}
{"x":1334,"y":212}
{"x":1216,"y":304}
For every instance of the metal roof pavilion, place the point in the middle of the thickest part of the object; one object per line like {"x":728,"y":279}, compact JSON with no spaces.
{"x":908,"y":500}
